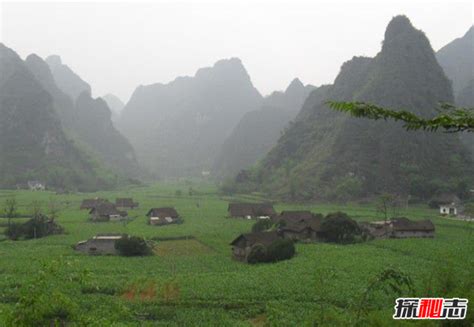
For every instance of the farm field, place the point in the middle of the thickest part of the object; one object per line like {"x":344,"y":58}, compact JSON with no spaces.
{"x":192,"y":279}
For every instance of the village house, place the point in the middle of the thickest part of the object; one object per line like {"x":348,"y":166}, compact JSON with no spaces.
{"x":99,"y":244}
{"x":107,"y":211}
{"x":303,"y":230}
{"x":125,"y":203}
{"x":449,"y":204}
{"x":36,"y":186}
{"x":399,"y":228}
{"x":91,"y":203}
{"x":251,"y":210}
{"x":403,"y":228}
{"x":242,"y":245}
{"x":163,"y":216}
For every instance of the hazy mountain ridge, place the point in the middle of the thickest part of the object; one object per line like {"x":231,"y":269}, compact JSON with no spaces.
{"x":177,"y":128}
{"x":330,"y":155}
{"x":457,"y":60}
{"x":32,"y":142}
{"x":259,"y":130}
{"x":115,"y":105}
{"x":67,"y":80}
{"x":87,"y":120}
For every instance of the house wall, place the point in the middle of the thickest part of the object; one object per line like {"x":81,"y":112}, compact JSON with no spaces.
{"x":116,"y":218}
{"x":97,"y":247}
{"x":97,"y":217}
{"x":240,"y":253}
{"x":161,"y":221}
{"x":407,"y":234}
{"x":444,"y":210}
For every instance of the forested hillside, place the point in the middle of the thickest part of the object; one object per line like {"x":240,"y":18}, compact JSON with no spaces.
{"x":33,"y":145}
{"x":330,"y":155}
{"x":178,"y":128}
{"x":87,"y":120}
{"x":258,"y":131}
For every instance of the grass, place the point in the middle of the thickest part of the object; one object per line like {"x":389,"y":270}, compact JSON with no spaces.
{"x":192,"y":279}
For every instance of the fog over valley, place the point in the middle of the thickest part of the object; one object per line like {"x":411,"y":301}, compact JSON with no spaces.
{"x":236,"y":163}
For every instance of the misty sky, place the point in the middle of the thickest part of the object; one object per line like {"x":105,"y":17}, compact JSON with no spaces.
{"x":118,"y":46}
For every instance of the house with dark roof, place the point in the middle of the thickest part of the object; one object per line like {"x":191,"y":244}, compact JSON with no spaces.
{"x":91,"y":203}
{"x":399,"y":228}
{"x":99,"y":244}
{"x":107,"y":211}
{"x":163,"y":216}
{"x":403,"y":227}
{"x":251,"y":210}
{"x":125,"y":203}
{"x":242,"y":245}
{"x":302,"y":227}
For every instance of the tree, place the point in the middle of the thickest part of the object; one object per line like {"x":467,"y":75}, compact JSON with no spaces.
{"x":35,"y":208}
{"x":10,"y":209}
{"x":340,"y":228}
{"x":258,"y":253}
{"x":452,"y":119}
{"x":387,"y":205}
{"x":54,"y":209}
{"x":282,"y":249}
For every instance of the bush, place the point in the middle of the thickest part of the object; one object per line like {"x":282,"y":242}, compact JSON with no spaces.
{"x":132,"y":246}
{"x":340,"y":228}
{"x":258,"y":253}
{"x":37,"y":227}
{"x":14,"y":231}
{"x":282,"y":249}
{"x":262,"y":225}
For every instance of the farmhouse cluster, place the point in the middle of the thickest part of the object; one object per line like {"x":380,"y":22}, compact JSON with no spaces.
{"x":304,"y":226}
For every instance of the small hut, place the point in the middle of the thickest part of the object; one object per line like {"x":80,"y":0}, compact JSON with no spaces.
{"x":163,"y":216}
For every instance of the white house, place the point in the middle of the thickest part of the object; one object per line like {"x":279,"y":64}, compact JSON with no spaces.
{"x":36,"y":186}
{"x":448,"y":209}
{"x":448,"y":204}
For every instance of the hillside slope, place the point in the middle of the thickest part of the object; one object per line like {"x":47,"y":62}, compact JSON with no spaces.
{"x":87,"y":120}
{"x":457,"y":60}
{"x":330,"y":155}
{"x":258,"y":131}
{"x":178,"y":128}
{"x":32,"y":142}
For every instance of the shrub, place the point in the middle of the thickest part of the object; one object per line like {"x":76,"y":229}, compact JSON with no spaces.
{"x":282,"y":249}
{"x":340,"y":228}
{"x":14,"y":231}
{"x":37,"y":227}
{"x":132,"y":246}
{"x":258,"y":253}
{"x":262,"y":225}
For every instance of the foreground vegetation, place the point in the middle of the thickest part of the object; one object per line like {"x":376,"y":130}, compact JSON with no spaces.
{"x":191,"y":278}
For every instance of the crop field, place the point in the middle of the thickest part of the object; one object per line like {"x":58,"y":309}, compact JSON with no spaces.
{"x":192,"y":280}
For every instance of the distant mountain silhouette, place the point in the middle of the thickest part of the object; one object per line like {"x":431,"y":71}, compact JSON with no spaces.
{"x":33,"y":145}
{"x":87,"y":120}
{"x":330,"y":155}
{"x":258,"y":131}
{"x":457,"y":60}
{"x":115,"y":104}
{"x":68,"y":81}
{"x":178,"y":128}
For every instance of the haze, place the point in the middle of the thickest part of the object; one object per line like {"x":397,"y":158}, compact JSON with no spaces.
{"x":116,"y":47}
